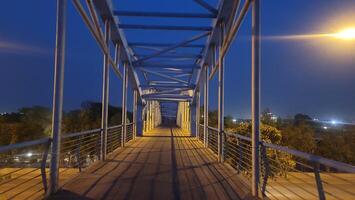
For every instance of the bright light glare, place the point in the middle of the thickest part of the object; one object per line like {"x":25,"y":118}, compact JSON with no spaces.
{"x":346,"y":34}
{"x":334,"y":122}
{"x":29,"y":154}
{"x":234,"y":120}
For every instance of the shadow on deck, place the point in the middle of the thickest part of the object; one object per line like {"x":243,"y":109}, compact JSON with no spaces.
{"x":163,"y":164}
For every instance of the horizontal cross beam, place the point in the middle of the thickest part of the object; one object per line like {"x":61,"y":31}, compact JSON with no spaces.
{"x":167,"y":49}
{"x":166,"y":86}
{"x":164,"y":14}
{"x":162,"y":65}
{"x":144,"y":44}
{"x":164,"y":27}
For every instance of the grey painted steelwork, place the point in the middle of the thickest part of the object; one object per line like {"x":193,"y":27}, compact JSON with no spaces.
{"x":135,"y":107}
{"x":198,"y":108}
{"x":146,"y":44}
{"x":164,"y":14}
{"x":105,"y":94}
{"x":59,"y":62}
{"x":124,"y":104}
{"x":255,"y":98}
{"x":205,"y":105}
{"x":221,"y":96}
{"x":166,"y":27}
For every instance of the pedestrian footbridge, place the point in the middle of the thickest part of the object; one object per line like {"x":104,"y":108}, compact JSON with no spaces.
{"x":168,"y":149}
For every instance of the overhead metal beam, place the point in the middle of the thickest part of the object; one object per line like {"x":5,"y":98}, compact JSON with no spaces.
{"x":192,"y":56}
{"x":164,"y":14}
{"x":207,"y":6}
{"x":169,"y":91}
{"x":144,"y":44}
{"x":167,"y":99}
{"x":163,"y":65}
{"x":94,"y":31}
{"x":232,"y":33}
{"x":104,"y":9}
{"x":166,"y":86}
{"x":163,"y":76}
{"x":197,"y":37}
{"x":165,"y":27}
{"x":153,"y":82}
{"x":226,"y":12}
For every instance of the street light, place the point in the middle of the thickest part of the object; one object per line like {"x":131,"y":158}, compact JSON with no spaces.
{"x":346,"y":34}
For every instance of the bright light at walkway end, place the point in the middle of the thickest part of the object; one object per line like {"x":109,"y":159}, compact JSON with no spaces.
{"x":346,"y":34}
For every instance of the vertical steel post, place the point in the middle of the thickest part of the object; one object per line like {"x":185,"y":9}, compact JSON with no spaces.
{"x":135,"y":102}
{"x":198,"y":95}
{"x":105,"y":94}
{"x":221,"y":95}
{"x":205,"y":106}
{"x":58,"y":93}
{"x":255,"y":97}
{"x":124,"y":104}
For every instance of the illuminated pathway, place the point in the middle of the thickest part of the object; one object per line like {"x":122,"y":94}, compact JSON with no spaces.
{"x":163,"y":164}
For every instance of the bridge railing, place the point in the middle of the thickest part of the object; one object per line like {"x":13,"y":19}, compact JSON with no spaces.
{"x":24,"y":167}
{"x":129,"y":133}
{"x":201,"y":132}
{"x":212,"y":141}
{"x":290,"y":174}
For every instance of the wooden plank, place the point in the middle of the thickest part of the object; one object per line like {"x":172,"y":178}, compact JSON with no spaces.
{"x":166,"y":163}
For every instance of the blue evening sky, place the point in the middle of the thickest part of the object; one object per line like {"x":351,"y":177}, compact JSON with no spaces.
{"x":313,"y":76}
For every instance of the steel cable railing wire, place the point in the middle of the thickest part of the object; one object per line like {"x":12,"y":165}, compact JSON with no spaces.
{"x":24,"y":166}
{"x":23,"y":169}
{"x":114,"y":138}
{"x":291,"y":174}
{"x":129,"y":129}
{"x":213,"y":139}
{"x":201,"y":132}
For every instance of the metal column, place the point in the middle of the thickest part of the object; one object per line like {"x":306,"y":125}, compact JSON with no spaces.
{"x":198,"y":95}
{"x":205,"y":106}
{"x":58,"y":93}
{"x":124,"y":104}
{"x":135,"y":102}
{"x":221,"y":96}
{"x":105,"y":94}
{"x":255,"y":92}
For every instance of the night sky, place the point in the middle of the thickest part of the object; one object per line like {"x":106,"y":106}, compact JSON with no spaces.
{"x":313,"y":76}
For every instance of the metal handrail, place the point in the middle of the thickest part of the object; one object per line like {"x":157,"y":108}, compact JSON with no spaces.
{"x":212,"y":128}
{"x":114,"y":127}
{"x":310,"y":157}
{"x":11,"y":147}
{"x":313,"y":158}
{"x":81,"y":133}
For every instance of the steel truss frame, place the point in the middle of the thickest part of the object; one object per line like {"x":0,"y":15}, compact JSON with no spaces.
{"x":176,"y":82}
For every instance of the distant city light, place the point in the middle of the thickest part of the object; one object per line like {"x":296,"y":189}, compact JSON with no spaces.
{"x":325,"y":128}
{"x":234,"y":120}
{"x":29,"y":154}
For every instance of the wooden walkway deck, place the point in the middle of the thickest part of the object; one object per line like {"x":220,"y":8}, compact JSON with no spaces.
{"x":164,"y":164}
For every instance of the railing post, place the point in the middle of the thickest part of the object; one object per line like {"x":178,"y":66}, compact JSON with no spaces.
{"x":205,"y":105}
{"x":124,"y":104}
{"x":255,"y":92}
{"x":221,"y":96}
{"x":319,"y":183}
{"x":135,"y":102}
{"x":198,"y":95}
{"x":105,"y":93}
{"x":58,"y":93}
{"x":266,"y":168}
